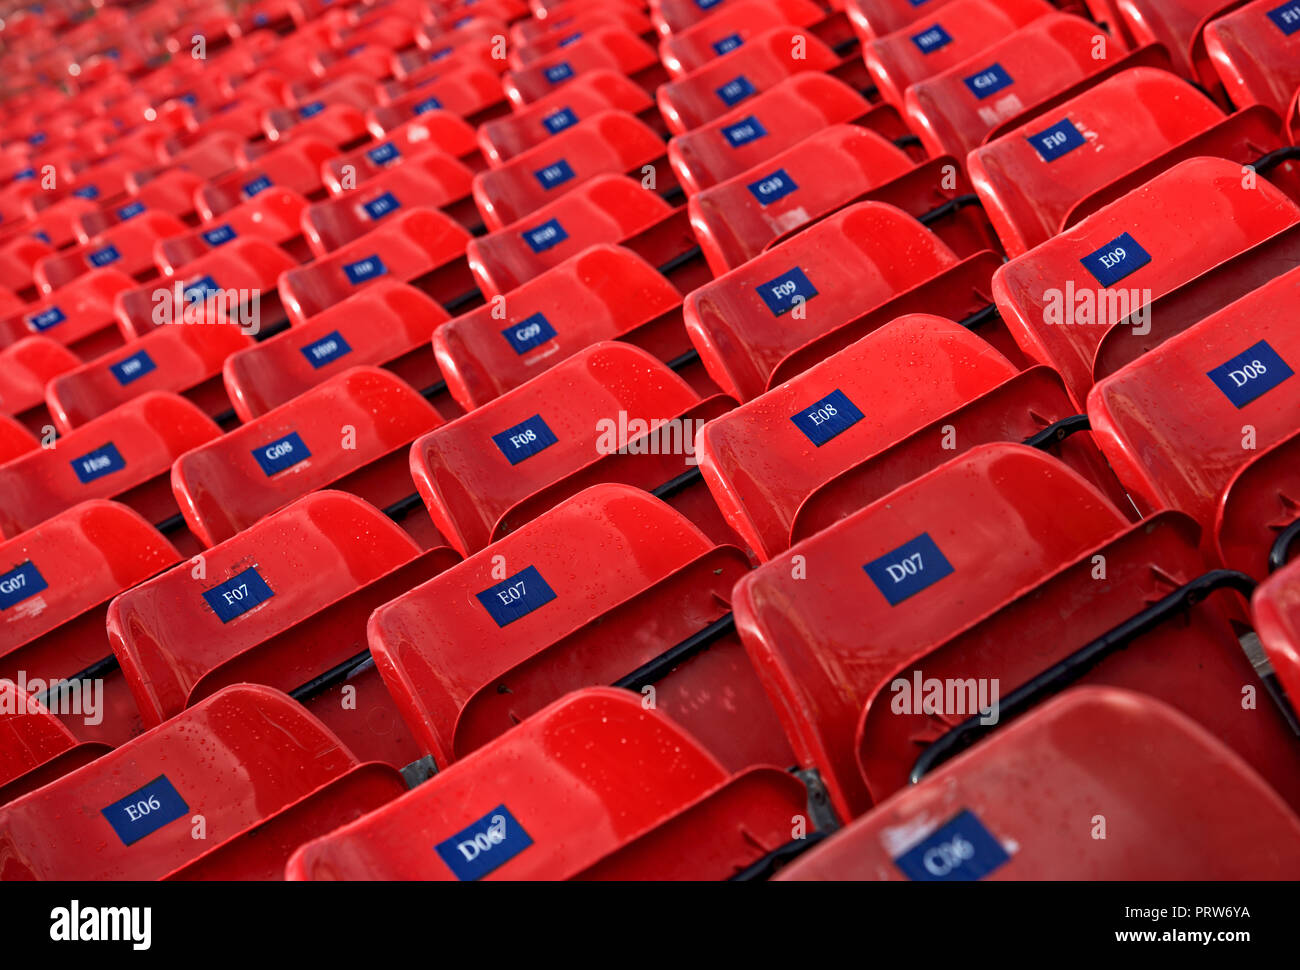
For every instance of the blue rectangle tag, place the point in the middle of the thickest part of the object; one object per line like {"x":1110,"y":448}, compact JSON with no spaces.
{"x":707,"y":4}
{"x":988,"y":82}
{"x":364,"y":269}
{"x":571,"y":39}
{"x":961,"y":850}
{"x":826,"y":418}
{"x":25,"y":175}
{"x":102,"y":257}
{"x":558,"y":72}
{"x":932,"y":40}
{"x":486,"y":845}
{"x":529,"y":333}
{"x":782,"y":293}
{"x":525,"y":439}
{"x":133,"y":368}
{"x":557,"y":121}
{"x":22,"y":582}
{"x":744,"y":131}
{"x":427,"y":105}
{"x":516,"y":596}
{"x":238,"y":594}
{"x":1286,"y":17}
{"x":96,"y":464}
{"x":543,"y":237}
{"x":218,"y":236}
{"x":326,"y":350}
{"x":727,"y":44}
{"x":86,"y":192}
{"x":145,"y":810}
{"x":383,"y":154}
{"x":1251,"y":374}
{"x":308,"y":110}
{"x":771,"y":187}
{"x":1051,"y":143}
{"x":276,"y":456}
{"x":259,"y":184}
{"x":1117,"y":259}
{"x":735,"y":91}
{"x":905,"y":571}
{"x":46,"y":318}
{"x":380,"y":207}
{"x":130,"y":211}
{"x":201,"y":290}
{"x":553,"y":175}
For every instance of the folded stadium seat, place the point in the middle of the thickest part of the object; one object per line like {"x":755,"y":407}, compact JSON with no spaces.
{"x":1148,"y":627}
{"x":1275,"y":610}
{"x":15,"y":439}
{"x":127,"y":246}
{"x":772,"y":121}
{"x":295,"y":166}
{"x":157,"y":192}
{"x":472,"y":93}
{"x":505,"y":138}
{"x":757,"y":461}
{"x":731,"y":25}
{"x":57,"y":223}
{"x":1255,"y":522}
{"x":1063,"y":300}
{"x":421,"y":246}
{"x":1175,"y":25}
{"x":626,"y":418}
{"x":59,"y":578}
{"x":431,"y":651}
{"x":355,"y":90}
{"x":79,"y":316}
{"x":524,"y":52}
{"x":233,"y":761}
{"x":956,"y":32}
{"x":898,"y":576}
{"x":674,"y":17}
{"x":434,"y":131}
{"x":432,"y":180}
{"x":471,"y":47}
{"x":388,"y":325}
{"x":215,"y":154}
{"x":574,"y":17}
{"x":18,"y":257}
{"x":583,"y":779}
{"x":274,"y":215}
{"x":1254,"y":51}
{"x":739,"y":218}
{"x":606,"y":292}
{"x":1233,"y":376}
{"x":350,"y":432}
{"x":876,"y":18}
{"x":606,"y":48}
{"x":183,"y":359}
{"x":745,"y":323}
{"x":233,"y":285}
{"x":35,"y":747}
{"x":294,"y":620}
{"x":1028,"y":72}
{"x":338,"y":125}
{"x":1013,"y":805}
{"x":1044,"y":176}
{"x":711,"y":91}
{"x":609,"y":142}
{"x":124,"y":454}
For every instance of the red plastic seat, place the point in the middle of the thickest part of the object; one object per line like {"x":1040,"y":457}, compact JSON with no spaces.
{"x":25,"y":368}
{"x":571,"y":785}
{"x":954,"y":111}
{"x":18,"y":258}
{"x":430,"y":180}
{"x":1256,"y":54}
{"x":126,"y":246}
{"x":875,"y":18}
{"x":295,"y":166}
{"x":236,"y":759}
{"x":757,"y":459}
{"x":745,"y":322}
{"x":283,"y":604}
{"x":1063,"y":304}
{"x":79,"y":316}
{"x":572,"y":18}
{"x":504,"y":138}
{"x":711,"y":91}
{"x":607,"y":48}
{"x":1275,"y":609}
{"x":1180,"y":420}
{"x":958,"y":31}
{"x":35,"y":747}
{"x":577,"y":424}
{"x":59,"y":579}
{"x":15,"y":439}
{"x":730,"y":26}
{"x":609,"y":142}
{"x":421,"y":246}
{"x":472,"y":93}
{"x":604,"y":293}
{"x":433,"y":131}
{"x":350,"y":432}
{"x":897,"y":576}
{"x":315,"y":123}
{"x":1257,"y":508}
{"x":274,"y":215}
{"x":1174,"y":24}
{"x":1012,"y":804}
{"x":388,"y":324}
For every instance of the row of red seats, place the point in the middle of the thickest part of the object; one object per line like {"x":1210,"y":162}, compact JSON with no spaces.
{"x":595,"y":418}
